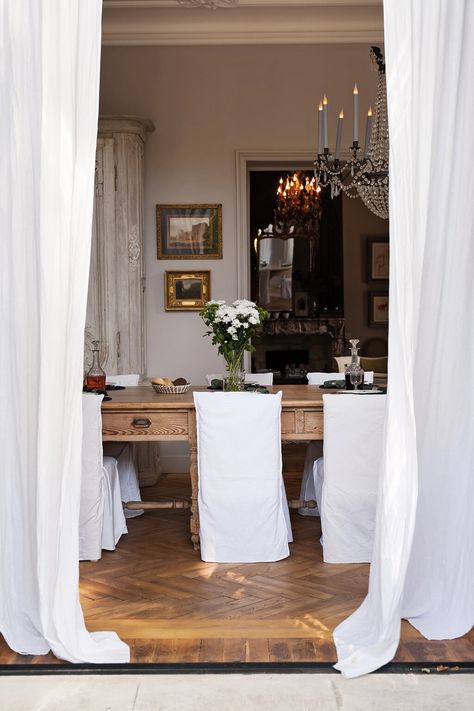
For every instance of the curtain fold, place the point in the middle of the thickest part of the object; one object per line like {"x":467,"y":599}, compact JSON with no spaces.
{"x":423,"y":561}
{"x":50,"y":83}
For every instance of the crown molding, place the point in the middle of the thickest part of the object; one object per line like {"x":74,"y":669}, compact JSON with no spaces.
{"x":315,"y":24}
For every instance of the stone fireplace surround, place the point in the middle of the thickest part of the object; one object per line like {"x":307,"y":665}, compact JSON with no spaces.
{"x":321,"y":338}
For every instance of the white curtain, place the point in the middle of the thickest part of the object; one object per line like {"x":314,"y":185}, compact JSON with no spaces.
{"x":50,"y":52}
{"x":423,"y":564}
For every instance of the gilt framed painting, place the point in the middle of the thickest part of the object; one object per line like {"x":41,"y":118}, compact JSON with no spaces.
{"x":187,"y":291}
{"x":189,"y":231}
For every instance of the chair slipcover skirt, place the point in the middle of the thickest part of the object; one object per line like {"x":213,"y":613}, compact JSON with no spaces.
{"x":346,"y":485}
{"x":101,"y":518}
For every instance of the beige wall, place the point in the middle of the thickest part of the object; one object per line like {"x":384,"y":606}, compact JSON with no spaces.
{"x":206,"y":103}
{"x":359,"y":223}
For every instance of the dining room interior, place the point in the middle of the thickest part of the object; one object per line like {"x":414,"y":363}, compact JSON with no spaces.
{"x":224,"y":198}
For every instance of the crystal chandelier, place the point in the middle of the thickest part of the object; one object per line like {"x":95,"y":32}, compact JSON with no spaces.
{"x":209,"y":4}
{"x":364,"y":176}
{"x":297,"y":209}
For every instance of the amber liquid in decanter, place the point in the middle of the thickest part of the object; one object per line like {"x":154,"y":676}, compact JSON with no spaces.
{"x":95,"y":378}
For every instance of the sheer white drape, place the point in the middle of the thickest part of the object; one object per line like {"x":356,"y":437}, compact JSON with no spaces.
{"x":423,"y":558}
{"x":50,"y":80}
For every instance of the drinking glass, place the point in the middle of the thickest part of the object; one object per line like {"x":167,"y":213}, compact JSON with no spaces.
{"x":357,"y":376}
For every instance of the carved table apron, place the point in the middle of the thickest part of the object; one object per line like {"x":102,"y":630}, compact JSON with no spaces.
{"x":139,"y":414}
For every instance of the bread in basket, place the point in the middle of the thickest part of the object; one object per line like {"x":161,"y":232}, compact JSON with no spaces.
{"x":165,"y":386}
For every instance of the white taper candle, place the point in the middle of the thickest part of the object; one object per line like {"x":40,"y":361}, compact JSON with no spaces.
{"x":368,"y":129}
{"x":355,"y":95}
{"x":339,"y":133}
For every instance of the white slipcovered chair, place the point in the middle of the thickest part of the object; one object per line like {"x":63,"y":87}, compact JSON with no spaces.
{"x":101,"y":518}
{"x":259,"y":378}
{"x":346,"y":479}
{"x":320,"y":378}
{"x":242,"y":503}
{"x":129,"y":379}
{"x":123,"y":453}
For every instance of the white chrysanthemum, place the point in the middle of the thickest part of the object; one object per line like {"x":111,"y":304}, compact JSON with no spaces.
{"x":243,"y":303}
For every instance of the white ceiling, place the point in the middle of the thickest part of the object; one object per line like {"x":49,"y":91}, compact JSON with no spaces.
{"x":167,"y":22}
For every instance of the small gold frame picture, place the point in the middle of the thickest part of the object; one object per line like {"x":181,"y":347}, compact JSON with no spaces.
{"x":187,"y":291}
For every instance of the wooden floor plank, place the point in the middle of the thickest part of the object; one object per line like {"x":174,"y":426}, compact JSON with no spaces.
{"x":169,"y":606}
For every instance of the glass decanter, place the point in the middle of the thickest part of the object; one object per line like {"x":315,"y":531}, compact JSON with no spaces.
{"x":354,"y":373}
{"x":95,"y":378}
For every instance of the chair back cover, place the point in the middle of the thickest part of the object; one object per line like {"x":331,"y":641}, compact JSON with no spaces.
{"x":241,"y":490}
{"x":353,"y":439}
{"x":259,"y":378}
{"x":128,"y":379}
{"x":101,"y":518}
{"x":320,"y":378}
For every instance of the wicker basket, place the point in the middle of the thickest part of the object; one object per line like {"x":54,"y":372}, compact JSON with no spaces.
{"x":171,"y":389}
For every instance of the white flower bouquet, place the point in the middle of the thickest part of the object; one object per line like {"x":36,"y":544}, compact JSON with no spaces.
{"x":231,"y":328}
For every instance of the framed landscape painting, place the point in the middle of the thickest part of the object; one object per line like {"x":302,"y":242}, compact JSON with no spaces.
{"x":378,"y":259}
{"x":189,"y":231}
{"x":187,"y":291}
{"x":378,"y":308}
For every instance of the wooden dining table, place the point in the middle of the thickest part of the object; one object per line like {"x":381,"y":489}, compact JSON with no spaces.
{"x":139,"y":414}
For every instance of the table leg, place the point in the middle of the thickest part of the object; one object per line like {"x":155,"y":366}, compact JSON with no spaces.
{"x":193,"y":470}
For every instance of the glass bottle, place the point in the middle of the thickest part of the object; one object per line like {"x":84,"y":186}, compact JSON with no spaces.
{"x":95,"y":378}
{"x":354,"y":366}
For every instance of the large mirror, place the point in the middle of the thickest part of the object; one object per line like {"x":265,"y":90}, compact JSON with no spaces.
{"x":285,"y":274}
{"x":296,"y":275}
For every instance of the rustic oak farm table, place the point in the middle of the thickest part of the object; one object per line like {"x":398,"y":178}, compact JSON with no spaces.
{"x":139,"y":414}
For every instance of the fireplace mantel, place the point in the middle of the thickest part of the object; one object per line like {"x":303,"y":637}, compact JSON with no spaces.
{"x":282,"y":343}
{"x":333,"y":327}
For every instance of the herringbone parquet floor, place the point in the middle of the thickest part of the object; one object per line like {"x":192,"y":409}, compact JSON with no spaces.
{"x":157,"y":594}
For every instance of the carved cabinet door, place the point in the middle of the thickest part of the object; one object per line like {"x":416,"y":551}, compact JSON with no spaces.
{"x":116,"y":281}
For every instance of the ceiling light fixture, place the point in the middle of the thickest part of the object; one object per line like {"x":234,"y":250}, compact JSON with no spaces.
{"x":365,"y":177}
{"x":297,"y":209}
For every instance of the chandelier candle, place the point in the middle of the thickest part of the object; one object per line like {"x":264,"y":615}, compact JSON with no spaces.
{"x":320,"y":127}
{"x":325,"y":121}
{"x":355,"y":102}
{"x":339,"y":134}
{"x":368,"y":129}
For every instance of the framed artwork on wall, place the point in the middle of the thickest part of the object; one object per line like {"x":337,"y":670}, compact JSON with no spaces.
{"x":378,"y":308}
{"x":378,"y":259}
{"x":189,"y":231}
{"x":187,"y":291}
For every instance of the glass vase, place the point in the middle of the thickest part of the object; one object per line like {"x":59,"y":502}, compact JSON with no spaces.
{"x":234,"y":377}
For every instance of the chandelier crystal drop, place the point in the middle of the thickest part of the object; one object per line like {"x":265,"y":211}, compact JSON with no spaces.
{"x":364,"y":176}
{"x":208,"y":4}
